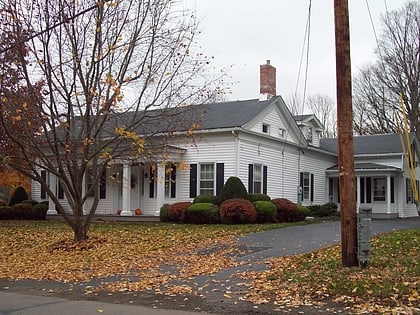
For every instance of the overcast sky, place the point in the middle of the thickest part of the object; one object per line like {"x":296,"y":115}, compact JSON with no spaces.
{"x":245,"y":33}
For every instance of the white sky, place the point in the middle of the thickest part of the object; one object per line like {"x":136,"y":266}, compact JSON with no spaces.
{"x":245,"y":33}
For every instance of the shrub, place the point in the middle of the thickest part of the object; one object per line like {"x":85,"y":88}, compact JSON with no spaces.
{"x":304,"y":211}
{"x":206,"y":198}
{"x":287,"y":211}
{"x":203,"y":213}
{"x":18,"y":196}
{"x":258,"y":197}
{"x":177,"y":211}
{"x":6,"y":213}
{"x":22,"y":210}
{"x":163,"y":214}
{"x":326,"y":210}
{"x":3,"y":203}
{"x":237,"y":210}
{"x":39,"y":211}
{"x":233,"y":188}
{"x":266,"y":211}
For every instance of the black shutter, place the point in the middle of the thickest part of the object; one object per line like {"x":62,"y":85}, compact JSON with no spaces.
{"x":173,"y":182}
{"x":301,"y":181}
{"x":265,"y":173}
{"x":392,"y":190}
{"x":362,"y":190}
{"x":152,"y":183}
{"x":193,"y":180}
{"x":312,"y":187}
{"x":220,"y":176}
{"x":44,"y":180}
{"x":102,"y":185}
{"x":368,"y":190}
{"x":250,"y":178}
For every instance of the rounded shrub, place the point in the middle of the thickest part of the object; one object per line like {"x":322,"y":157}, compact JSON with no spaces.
{"x":237,"y":210}
{"x":6,"y":213}
{"x":326,"y":210}
{"x":266,"y":211}
{"x":304,"y":211}
{"x":203,"y":213}
{"x":177,"y":211}
{"x":22,"y":210}
{"x":233,"y":188}
{"x":163,"y":214}
{"x":39,"y":211}
{"x":258,"y":197}
{"x":206,"y":199}
{"x":18,"y":196}
{"x":287,"y":211}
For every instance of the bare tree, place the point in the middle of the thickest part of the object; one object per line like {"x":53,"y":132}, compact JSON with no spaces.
{"x":378,"y":87}
{"x":112,"y":71}
{"x":324,"y":108}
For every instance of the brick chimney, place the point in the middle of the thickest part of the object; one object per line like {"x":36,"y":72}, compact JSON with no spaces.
{"x":267,"y":81}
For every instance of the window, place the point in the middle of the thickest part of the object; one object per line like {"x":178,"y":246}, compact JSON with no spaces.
{"x":379,"y":185}
{"x":266,"y":128}
{"x":409,"y":192}
{"x":170,"y":180}
{"x":90,"y":181}
{"x":257,"y":178}
{"x":309,"y":134}
{"x":282,"y":133}
{"x":307,"y":185}
{"x":207,"y":179}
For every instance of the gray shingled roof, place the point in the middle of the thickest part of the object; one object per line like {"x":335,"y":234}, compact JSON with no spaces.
{"x":207,"y":116}
{"x":374,"y":144}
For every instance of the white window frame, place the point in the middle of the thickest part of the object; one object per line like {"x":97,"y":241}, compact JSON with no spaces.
{"x":257,"y":178}
{"x":306,"y":189}
{"x":206,"y":190}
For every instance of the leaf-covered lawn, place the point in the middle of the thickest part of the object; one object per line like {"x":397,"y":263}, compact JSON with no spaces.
{"x":45,"y":250}
{"x":390,"y":285}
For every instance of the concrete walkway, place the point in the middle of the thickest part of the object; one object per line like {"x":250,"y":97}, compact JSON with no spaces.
{"x":257,"y":246}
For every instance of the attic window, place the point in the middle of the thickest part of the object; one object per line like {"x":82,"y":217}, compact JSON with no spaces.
{"x":266,"y":128}
{"x":282,"y":133}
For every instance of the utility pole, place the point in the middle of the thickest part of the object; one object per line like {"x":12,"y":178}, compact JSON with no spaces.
{"x":345,"y":135}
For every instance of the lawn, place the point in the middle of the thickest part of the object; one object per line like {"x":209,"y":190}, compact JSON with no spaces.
{"x":45,"y":250}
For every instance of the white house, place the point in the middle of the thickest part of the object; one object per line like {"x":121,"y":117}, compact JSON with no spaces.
{"x":271,"y":151}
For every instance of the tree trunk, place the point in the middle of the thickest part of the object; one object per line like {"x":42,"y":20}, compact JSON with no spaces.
{"x":80,"y":230}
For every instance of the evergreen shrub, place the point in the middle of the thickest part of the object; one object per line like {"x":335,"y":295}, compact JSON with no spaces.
{"x":22,"y":211}
{"x":237,"y":210}
{"x":203,"y":213}
{"x":266,"y":211}
{"x":18,"y":196}
{"x":258,"y":197}
{"x":233,"y":188}
{"x":163,"y":214}
{"x":6,"y":213}
{"x":206,"y":199}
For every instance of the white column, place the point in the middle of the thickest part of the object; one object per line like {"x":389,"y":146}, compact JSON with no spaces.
{"x":160,"y":187}
{"x":126,"y":190}
{"x":53,"y":186}
{"x":358,"y":194}
{"x":388,"y":194}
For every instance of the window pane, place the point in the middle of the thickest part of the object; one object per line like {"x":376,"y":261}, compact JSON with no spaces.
{"x":257,"y":178}
{"x":379,"y":185}
{"x":206,"y":179}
